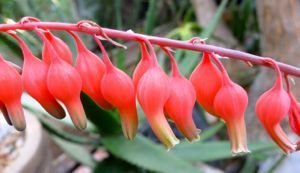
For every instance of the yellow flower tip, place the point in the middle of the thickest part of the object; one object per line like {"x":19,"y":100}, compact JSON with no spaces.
{"x":172,"y":144}
{"x":80,"y":125}
{"x":240,"y":152}
{"x":195,"y":139}
{"x":129,"y":135}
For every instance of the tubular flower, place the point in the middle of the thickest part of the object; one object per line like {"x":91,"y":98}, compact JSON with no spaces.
{"x":10,"y":94}
{"x":206,"y":79}
{"x":294,"y":112}
{"x":64,"y":83}
{"x":153,"y":92}
{"x":230,"y":104}
{"x":91,"y":69}
{"x":118,"y":89}
{"x":179,"y":105}
{"x":271,"y":108}
{"x":294,"y":115}
{"x":35,"y":84}
{"x":62,"y":49}
{"x":143,"y":65}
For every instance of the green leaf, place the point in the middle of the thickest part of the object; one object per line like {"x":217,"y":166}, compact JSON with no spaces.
{"x":107,"y":122}
{"x":151,"y":16}
{"x":144,"y":153}
{"x":76,"y":152}
{"x":250,"y":165}
{"x":215,"y":20}
{"x":208,"y":151}
{"x":211,"y":131}
{"x":54,"y":130}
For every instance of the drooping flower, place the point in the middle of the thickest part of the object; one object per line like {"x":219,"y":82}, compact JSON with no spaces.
{"x":91,"y":69}
{"x":64,"y":83}
{"x":62,"y":49}
{"x":181,"y":101}
{"x":10,"y":94}
{"x":207,"y":80}
{"x":153,"y":92}
{"x":294,"y":111}
{"x":272,"y":107}
{"x":294,"y":115}
{"x":230,"y":104}
{"x":143,"y":65}
{"x":35,"y":84}
{"x":118,"y":89}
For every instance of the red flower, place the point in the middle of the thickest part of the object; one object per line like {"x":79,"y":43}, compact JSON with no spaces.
{"x":35,"y":84}
{"x":230,"y":104}
{"x":271,"y":108}
{"x":118,"y":89}
{"x":294,"y":115}
{"x":10,"y":94}
{"x":91,"y":69}
{"x":294,"y":111}
{"x":179,"y":105}
{"x":207,"y":81}
{"x":62,"y":49}
{"x":153,"y":92}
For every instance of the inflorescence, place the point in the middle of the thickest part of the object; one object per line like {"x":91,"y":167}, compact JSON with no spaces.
{"x":56,"y":80}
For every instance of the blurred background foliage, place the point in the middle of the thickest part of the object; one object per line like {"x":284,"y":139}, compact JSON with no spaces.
{"x":169,"y":18}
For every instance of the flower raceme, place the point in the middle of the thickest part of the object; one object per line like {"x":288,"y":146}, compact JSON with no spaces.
{"x":161,"y":97}
{"x":272,"y":107}
{"x":230,"y":104}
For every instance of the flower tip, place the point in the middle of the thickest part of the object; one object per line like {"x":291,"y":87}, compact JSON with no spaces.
{"x":240,"y":152}
{"x":194,"y":139}
{"x":55,"y":110}
{"x":77,"y":114}
{"x":16,"y":115}
{"x":129,"y":122}
{"x":172,"y":144}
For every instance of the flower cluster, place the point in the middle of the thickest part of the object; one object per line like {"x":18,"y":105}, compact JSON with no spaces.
{"x":55,"y":81}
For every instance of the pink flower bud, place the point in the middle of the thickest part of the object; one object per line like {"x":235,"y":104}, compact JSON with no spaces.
{"x":153,"y":91}
{"x":180,"y":104}
{"x":207,"y":81}
{"x":62,"y":49}
{"x":91,"y":69}
{"x":230,"y":104}
{"x":10,"y":94}
{"x":35,"y":84}
{"x":271,"y":108}
{"x":118,"y":89}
